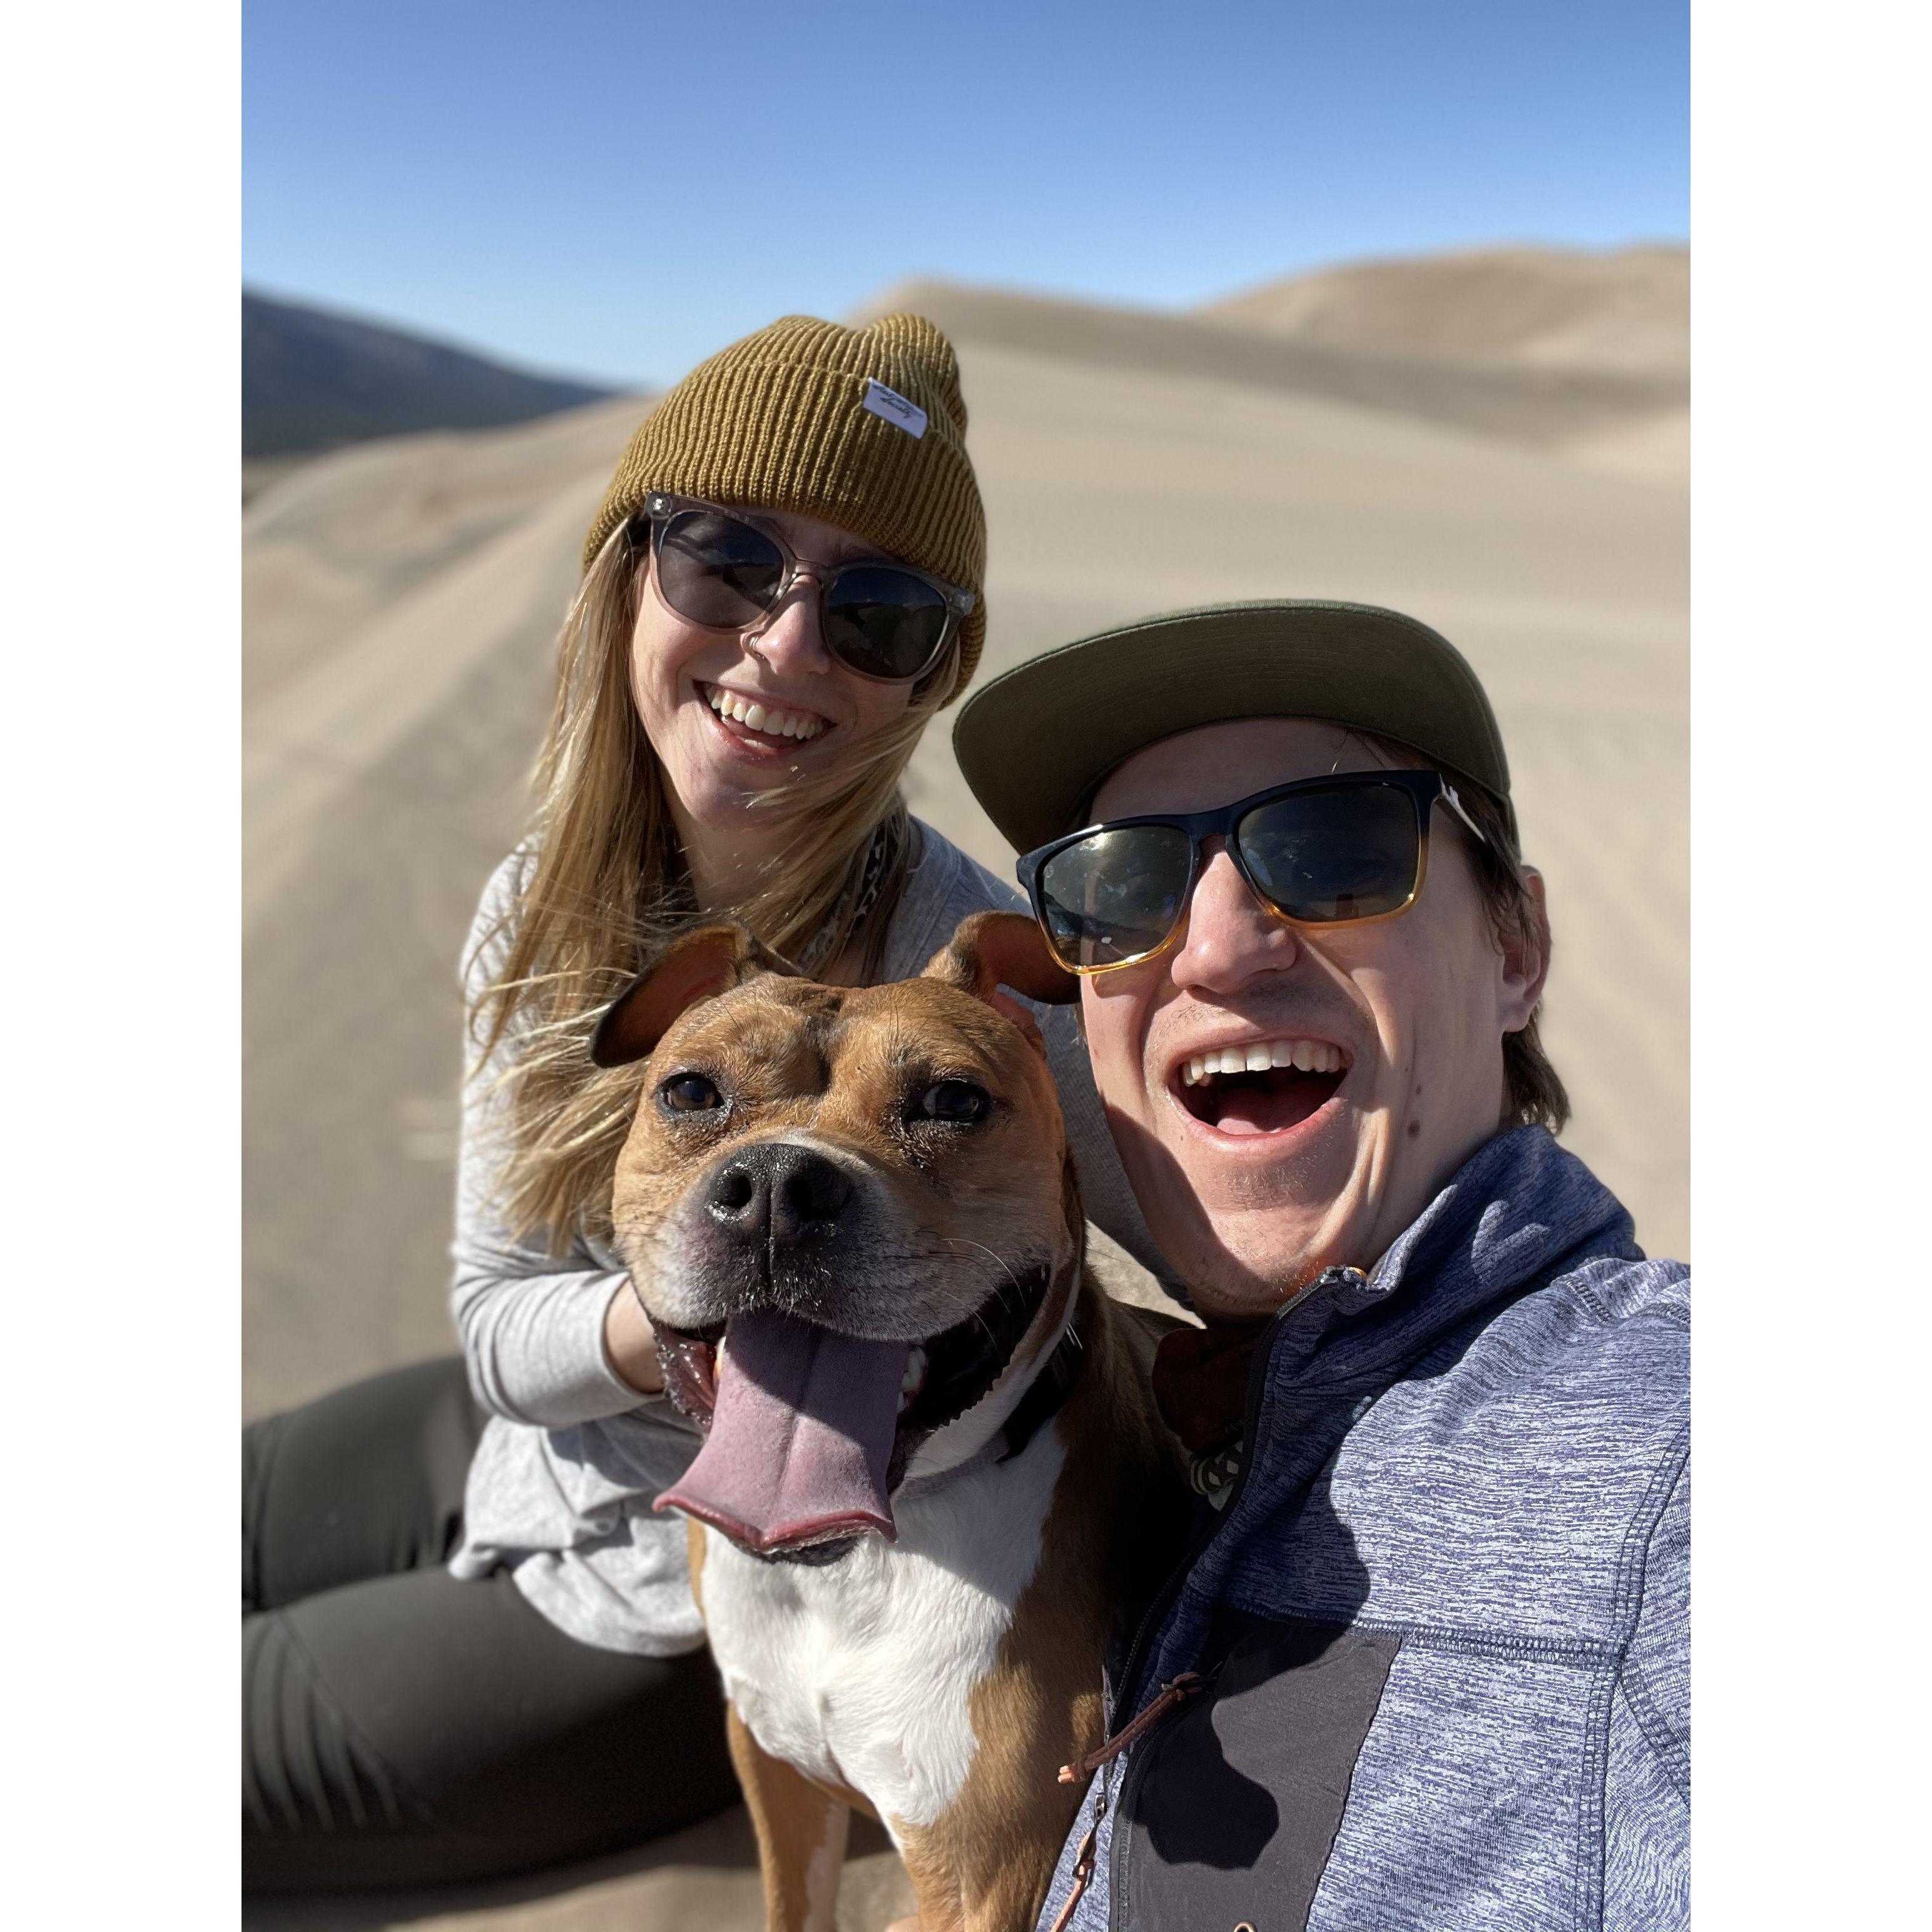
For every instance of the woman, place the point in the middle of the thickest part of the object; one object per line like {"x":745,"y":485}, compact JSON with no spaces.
{"x":469,"y":1646}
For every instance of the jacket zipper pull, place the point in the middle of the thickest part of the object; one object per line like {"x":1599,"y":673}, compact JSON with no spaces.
{"x":1173,"y":1694}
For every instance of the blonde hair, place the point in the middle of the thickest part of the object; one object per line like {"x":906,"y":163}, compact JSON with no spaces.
{"x":604,"y":887}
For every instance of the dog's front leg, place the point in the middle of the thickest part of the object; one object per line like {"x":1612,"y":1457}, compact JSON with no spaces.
{"x":801,"y":1832}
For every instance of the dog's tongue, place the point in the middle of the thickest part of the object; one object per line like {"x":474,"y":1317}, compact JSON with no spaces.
{"x":800,"y":1438}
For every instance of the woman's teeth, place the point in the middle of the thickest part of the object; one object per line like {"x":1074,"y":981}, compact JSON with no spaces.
{"x":1306,"y":1056}
{"x":755,"y":717}
{"x":915,"y":1378}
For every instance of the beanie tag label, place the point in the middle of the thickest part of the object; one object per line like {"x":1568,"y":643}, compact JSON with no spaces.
{"x":894,"y":407}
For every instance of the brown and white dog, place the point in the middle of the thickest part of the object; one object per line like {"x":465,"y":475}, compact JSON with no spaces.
{"x":932,"y":1471}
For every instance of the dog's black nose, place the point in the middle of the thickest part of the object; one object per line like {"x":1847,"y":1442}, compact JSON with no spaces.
{"x":778,"y":1192}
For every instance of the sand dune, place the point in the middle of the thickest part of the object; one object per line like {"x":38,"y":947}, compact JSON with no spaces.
{"x":1654,"y":449}
{"x":1524,"y":402}
{"x":402,"y":599}
{"x":1626,"y":310}
{"x":344,"y":536}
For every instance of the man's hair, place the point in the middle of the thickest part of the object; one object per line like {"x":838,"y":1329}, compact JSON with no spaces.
{"x":1535,"y":1089}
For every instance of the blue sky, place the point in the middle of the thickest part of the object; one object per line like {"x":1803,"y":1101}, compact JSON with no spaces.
{"x":616,"y":190}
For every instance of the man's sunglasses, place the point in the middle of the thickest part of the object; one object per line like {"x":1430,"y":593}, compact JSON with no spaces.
{"x":1332,"y":851}
{"x":881,"y":619}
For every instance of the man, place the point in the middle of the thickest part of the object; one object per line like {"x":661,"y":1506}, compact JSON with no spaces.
{"x":1427,"y":1665}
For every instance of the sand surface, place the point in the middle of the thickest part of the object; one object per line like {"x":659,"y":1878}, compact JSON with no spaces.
{"x":401,"y":598}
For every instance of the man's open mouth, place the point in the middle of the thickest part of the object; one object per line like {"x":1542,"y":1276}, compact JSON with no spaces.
{"x":808,"y":1432}
{"x":1263,"y":1086}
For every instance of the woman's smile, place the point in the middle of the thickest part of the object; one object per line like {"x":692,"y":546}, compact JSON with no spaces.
{"x":759,"y":721}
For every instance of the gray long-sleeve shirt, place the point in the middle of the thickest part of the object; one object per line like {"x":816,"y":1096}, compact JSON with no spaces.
{"x":561,"y":1489}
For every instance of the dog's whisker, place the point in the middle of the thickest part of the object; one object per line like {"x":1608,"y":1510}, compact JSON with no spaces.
{"x":960,"y":1241}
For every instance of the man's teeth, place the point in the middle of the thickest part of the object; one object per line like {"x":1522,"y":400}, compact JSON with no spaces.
{"x":1308,"y":1056}
{"x":756,"y":717}
{"x":914,"y":1380}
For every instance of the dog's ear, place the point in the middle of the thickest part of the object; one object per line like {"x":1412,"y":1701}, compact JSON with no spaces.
{"x":697,"y":965}
{"x":993,"y":950}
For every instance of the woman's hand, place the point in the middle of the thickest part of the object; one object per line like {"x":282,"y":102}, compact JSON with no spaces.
{"x":629,"y":1342}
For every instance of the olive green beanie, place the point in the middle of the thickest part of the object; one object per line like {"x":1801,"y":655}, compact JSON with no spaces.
{"x":792,"y":417}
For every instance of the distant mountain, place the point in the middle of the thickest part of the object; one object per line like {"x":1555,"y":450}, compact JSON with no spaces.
{"x":311,"y":380}
{"x":1625,"y":311}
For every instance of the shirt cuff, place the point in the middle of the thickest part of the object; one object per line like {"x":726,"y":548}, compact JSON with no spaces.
{"x":567,"y":1375}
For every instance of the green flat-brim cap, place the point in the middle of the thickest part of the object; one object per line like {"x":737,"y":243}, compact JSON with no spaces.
{"x":1036,"y":743}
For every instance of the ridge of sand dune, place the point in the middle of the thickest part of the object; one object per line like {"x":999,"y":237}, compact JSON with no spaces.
{"x":1515,"y":402}
{"x":345,"y":534}
{"x":334,"y":724}
{"x":1625,"y":311}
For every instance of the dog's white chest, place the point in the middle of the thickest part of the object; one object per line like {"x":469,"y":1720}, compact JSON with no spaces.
{"x":861,"y":1673}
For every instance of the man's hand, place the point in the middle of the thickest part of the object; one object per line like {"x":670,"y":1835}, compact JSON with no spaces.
{"x":629,"y":1342}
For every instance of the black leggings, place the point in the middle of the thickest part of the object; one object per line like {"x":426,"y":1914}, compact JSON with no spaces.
{"x":399,"y":1727}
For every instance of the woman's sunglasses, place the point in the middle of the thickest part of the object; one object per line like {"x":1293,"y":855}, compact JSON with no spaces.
{"x":1332,"y":851}
{"x":883,"y":620}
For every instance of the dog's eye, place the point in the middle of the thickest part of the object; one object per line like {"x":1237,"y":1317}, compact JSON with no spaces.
{"x":689,"y":1093}
{"x":959,"y":1103}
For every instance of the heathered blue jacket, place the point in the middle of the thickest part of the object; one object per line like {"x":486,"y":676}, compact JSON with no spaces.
{"x":1445,"y":1614}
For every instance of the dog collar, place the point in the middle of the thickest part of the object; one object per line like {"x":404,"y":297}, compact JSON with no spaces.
{"x":1047,"y":1396}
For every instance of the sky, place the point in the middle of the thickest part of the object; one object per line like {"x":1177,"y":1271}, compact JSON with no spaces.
{"x":615,"y":190}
